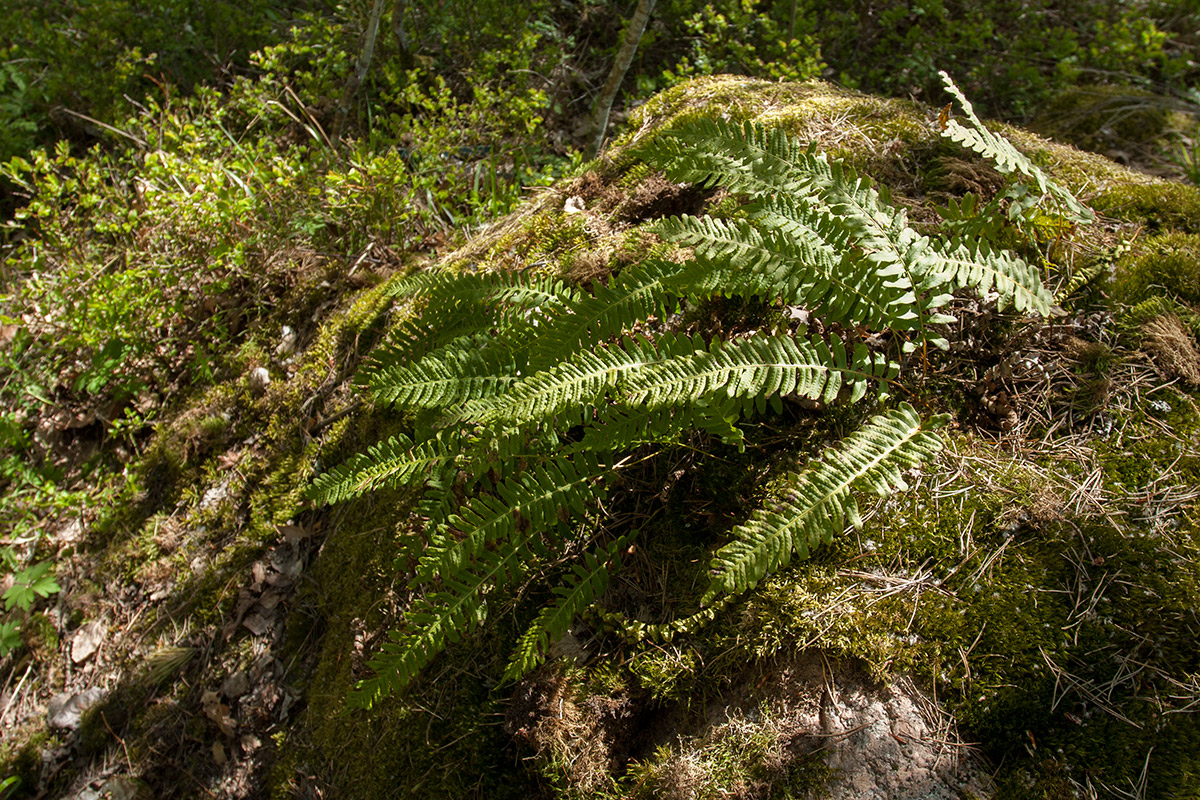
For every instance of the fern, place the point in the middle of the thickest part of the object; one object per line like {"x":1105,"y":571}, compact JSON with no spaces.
{"x":586,"y":583}
{"x":535,"y":396}
{"x":825,"y":238}
{"x":1005,"y":157}
{"x":820,"y":500}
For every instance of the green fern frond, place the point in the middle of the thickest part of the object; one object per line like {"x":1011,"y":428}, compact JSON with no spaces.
{"x":587,"y":581}
{"x":1006,"y":158}
{"x":534,"y":498}
{"x":754,"y":369}
{"x":820,"y":499}
{"x":635,"y":295}
{"x":1082,"y":277}
{"x":441,"y":618}
{"x":749,"y":159}
{"x":464,"y":304}
{"x":624,"y":428}
{"x":468,"y":368}
{"x":977,"y":265}
{"x":680,"y":370}
{"x":391,"y":463}
{"x":735,"y":257}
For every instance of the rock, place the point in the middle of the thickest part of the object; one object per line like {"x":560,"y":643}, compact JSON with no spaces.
{"x":214,"y":495}
{"x":287,"y":342}
{"x":258,"y":380}
{"x":66,"y":710}
{"x":87,"y":640}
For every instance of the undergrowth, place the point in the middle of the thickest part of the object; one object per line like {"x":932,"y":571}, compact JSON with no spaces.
{"x":530,"y":399}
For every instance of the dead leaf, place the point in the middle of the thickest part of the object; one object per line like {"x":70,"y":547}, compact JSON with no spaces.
{"x":256,"y":624}
{"x":294,"y":534}
{"x":219,"y":754}
{"x":218,"y":712}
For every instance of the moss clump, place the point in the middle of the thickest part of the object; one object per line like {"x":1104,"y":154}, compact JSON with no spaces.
{"x":1167,"y":265}
{"x":745,"y":756}
{"x":1107,"y":118}
{"x":1161,"y":205}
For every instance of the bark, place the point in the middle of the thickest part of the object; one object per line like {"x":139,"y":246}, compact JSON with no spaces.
{"x":604,"y":101}
{"x":361,"y":66}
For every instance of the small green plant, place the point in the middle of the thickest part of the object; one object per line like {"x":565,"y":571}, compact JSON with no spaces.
{"x":530,"y":398}
{"x":28,"y":585}
{"x":1186,"y":156}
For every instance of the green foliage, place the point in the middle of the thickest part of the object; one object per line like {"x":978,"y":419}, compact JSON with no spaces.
{"x":747,"y":37}
{"x":533,"y":404}
{"x":28,"y":585}
{"x":1007,"y":159}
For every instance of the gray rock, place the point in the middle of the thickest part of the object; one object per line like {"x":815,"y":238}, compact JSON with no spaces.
{"x":66,"y":710}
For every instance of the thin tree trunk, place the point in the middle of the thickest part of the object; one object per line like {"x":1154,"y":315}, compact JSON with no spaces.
{"x":360,"y":70}
{"x":604,"y":101}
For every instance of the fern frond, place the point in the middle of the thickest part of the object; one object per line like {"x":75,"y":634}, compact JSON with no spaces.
{"x":1006,"y":158}
{"x":391,"y":463}
{"x":735,"y":257}
{"x":767,"y":164}
{"x":1082,"y":277}
{"x":754,"y":369}
{"x":623,"y":428}
{"x":464,"y":304}
{"x":633,"y":296}
{"x":680,"y":370}
{"x":441,"y":618}
{"x":468,"y":368}
{"x":977,"y":265}
{"x":534,"y":498}
{"x":820,"y":499}
{"x":749,"y":159}
{"x":586,"y":582}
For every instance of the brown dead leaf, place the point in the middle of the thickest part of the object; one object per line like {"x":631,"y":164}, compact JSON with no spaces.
{"x":218,"y":712}
{"x":256,"y":624}
{"x":87,"y":641}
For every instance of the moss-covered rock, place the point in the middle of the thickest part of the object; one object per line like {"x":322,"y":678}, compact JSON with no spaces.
{"x":1167,"y":265}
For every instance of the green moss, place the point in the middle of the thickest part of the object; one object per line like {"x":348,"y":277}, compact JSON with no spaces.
{"x":441,"y":739}
{"x":1161,"y":205}
{"x":40,"y":637}
{"x":1104,"y":118}
{"x":23,"y":761}
{"x":1168,"y":264}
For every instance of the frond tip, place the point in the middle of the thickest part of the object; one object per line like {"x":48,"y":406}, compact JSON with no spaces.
{"x":819,"y":501}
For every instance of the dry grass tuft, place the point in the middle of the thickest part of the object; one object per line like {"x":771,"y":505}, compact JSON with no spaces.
{"x":1170,"y":346}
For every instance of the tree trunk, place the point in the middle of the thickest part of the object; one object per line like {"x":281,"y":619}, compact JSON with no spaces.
{"x":604,"y":101}
{"x":360,"y":70}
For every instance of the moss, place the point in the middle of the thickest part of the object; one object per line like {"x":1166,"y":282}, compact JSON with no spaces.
{"x":1168,"y":264}
{"x":1107,"y":118}
{"x":23,"y":761}
{"x":1160,"y":205}
{"x":438,"y":740}
{"x":40,"y":636}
